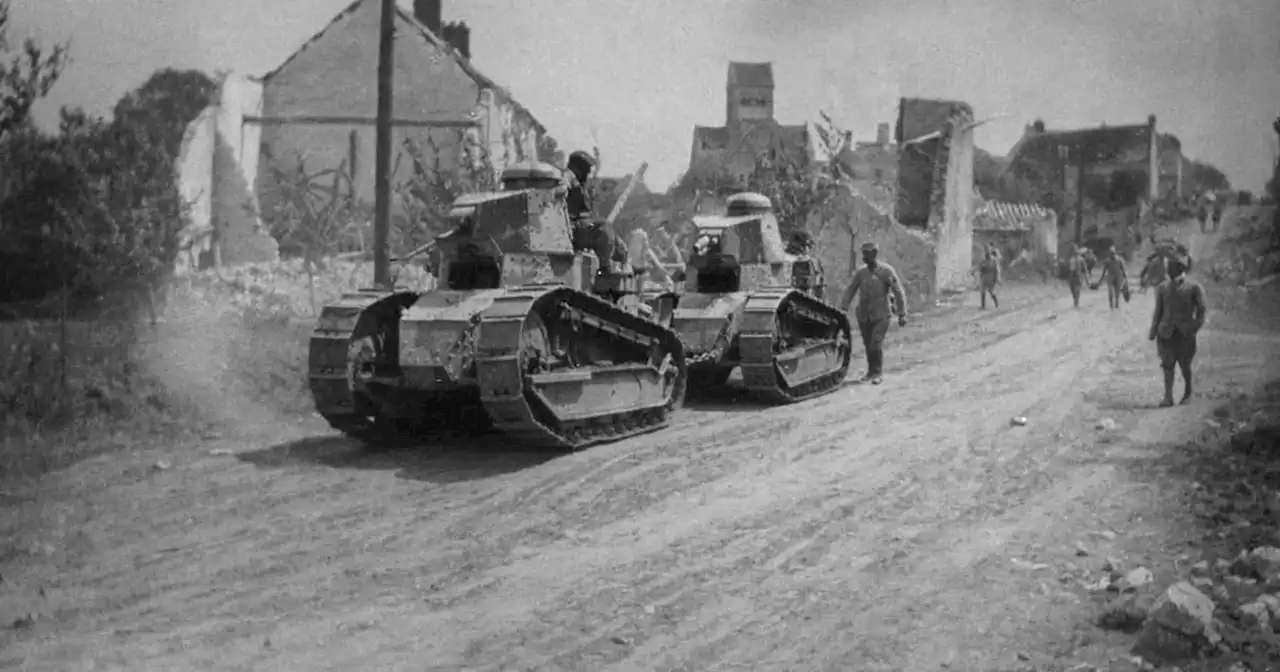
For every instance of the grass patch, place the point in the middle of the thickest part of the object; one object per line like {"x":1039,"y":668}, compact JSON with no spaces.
{"x":229,"y":351}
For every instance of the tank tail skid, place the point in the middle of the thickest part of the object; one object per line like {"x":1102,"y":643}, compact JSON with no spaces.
{"x":561,"y":369}
{"x":793,"y":346}
{"x":349,"y":322}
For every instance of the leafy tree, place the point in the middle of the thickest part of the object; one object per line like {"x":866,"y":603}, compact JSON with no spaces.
{"x":166,"y":104}
{"x":25,"y":77}
{"x":795,"y":189}
{"x":307,"y":211}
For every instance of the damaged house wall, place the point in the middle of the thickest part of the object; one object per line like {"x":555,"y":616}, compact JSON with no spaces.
{"x":935,"y":184}
{"x":846,"y":221}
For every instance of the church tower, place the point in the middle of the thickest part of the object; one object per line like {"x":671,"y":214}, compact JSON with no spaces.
{"x":749,"y":94}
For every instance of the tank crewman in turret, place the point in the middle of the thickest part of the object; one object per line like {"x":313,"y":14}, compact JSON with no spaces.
{"x":577,"y":177}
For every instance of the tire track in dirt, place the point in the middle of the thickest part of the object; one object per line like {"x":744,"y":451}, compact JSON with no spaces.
{"x":722,"y":548}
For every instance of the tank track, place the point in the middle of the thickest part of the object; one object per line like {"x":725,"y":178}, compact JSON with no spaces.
{"x":330,"y":374}
{"x":757,"y":341}
{"x":520,"y":414}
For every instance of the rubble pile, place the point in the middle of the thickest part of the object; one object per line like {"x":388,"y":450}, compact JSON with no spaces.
{"x":1221,"y":606}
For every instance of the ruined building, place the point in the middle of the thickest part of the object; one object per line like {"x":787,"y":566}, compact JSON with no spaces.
{"x":935,"y":182}
{"x":1105,"y":150}
{"x":750,"y":132}
{"x":319,"y":107}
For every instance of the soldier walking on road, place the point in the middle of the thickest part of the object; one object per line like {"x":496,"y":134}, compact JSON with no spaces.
{"x":1077,"y":273}
{"x":1218,"y":205}
{"x":875,"y":284}
{"x":988,"y":271}
{"x":1155,"y":272}
{"x":1116,"y":277}
{"x":1179,"y":316}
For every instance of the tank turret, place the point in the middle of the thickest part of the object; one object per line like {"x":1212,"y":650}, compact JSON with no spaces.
{"x":530,"y":175}
{"x":748,"y":203}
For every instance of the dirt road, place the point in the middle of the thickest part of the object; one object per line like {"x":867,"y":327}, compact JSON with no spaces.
{"x":876,"y":528}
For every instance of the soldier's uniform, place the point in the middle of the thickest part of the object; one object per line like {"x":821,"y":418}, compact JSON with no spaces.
{"x":1077,"y":273}
{"x":1116,"y":277}
{"x":876,"y":285}
{"x":1179,"y":316}
{"x":988,"y":277}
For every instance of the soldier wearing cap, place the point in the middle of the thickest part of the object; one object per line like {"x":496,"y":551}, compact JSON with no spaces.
{"x":988,"y":272}
{"x":1179,"y":316}
{"x":1077,"y":273}
{"x":876,"y":284}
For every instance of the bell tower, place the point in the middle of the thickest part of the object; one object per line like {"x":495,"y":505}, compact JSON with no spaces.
{"x":748,"y":93}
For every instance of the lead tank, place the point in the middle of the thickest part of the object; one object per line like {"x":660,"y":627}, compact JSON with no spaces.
{"x":525,"y":332}
{"x":745,"y":302}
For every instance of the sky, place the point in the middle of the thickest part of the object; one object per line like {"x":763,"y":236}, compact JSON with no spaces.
{"x":634,"y":76}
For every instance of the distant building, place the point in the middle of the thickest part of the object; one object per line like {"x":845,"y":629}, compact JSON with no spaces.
{"x":750,"y":132}
{"x":1105,"y":149}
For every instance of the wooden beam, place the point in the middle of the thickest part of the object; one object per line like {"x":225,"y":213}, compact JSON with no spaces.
{"x":320,"y":120}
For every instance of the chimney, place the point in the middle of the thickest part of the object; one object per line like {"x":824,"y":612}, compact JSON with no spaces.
{"x":458,"y":35}
{"x":1038,"y":126}
{"x":427,"y":12}
{"x":882,"y":135}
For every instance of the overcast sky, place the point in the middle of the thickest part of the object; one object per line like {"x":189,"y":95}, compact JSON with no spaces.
{"x":634,"y":76}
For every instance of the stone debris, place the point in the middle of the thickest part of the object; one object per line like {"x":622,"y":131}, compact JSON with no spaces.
{"x":1105,"y":424}
{"x":1179,"y":628}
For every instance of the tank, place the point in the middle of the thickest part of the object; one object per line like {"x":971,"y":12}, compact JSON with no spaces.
{"x":524,"y":333}
{"x":746,"y":302}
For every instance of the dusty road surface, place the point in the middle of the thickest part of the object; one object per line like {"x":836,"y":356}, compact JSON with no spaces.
{"x":878,"y":528}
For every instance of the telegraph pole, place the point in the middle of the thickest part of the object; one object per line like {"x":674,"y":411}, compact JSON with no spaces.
{"x":382,"y":156}
{"x":1080,"y":160}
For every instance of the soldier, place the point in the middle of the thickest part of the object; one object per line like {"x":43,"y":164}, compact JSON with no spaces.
{"x":1218,"y":205}
{"x":1203,"y":213}
{"x":1077,"y":273}
{"x":988,"y":271}
{"x":1090,"y":261}
{"x":577,"y":181}
{"x":800,"y":246}
{"x":875,"y":284}
{"x":1115,"y":276}
{"x":1155,"y":272}
{"x":1179,"y":316}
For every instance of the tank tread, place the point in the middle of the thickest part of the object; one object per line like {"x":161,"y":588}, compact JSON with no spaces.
{"x":510,"y":397}
{"x":760,"y":359}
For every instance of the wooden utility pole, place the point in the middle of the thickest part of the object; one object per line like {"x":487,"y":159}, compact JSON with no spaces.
{"x":1080,"y":161}
{"x":382,"y":155}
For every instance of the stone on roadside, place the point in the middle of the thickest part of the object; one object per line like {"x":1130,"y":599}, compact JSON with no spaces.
{"x":1180,"y":626}
{"x":1125,"y":613}
{"x":1105,"y":424}
{"x":1132,"y":581}
{"x":1272,"y":603}
{"x":1263,"y":563}
{"x":1200,"y":569}
{"x":1255,"y":616}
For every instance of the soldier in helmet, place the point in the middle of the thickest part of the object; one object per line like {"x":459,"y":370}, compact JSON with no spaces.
{"x":577,"y":179}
